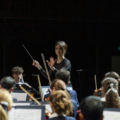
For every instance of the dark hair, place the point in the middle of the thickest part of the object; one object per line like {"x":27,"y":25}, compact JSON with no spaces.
{"x":63,"y":46}
{"x":61,"y":102}
{"x":17,"y":70}
{"x":7,"y":83}
{"x":91,"y":108}
{"x":63,"y":74}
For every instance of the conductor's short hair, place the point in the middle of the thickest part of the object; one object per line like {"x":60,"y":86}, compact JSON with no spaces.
{"x":63,"y":74}
{"x":7,"y":82}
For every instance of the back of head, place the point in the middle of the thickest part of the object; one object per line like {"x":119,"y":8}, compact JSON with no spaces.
{"x":5,"y":103}
{"x":58,"y":84}
{"x":91,"y":108}
{"x":63,"y":74}
{"x":17,"y":70}
{"x":110,"y":89}
{"x":7,"y":83}
{"x":61,"y":102}
{"x":113,"y":75}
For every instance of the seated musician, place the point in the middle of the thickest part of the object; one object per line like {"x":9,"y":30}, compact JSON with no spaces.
{"x":61,"y":106}
{"x":91,"y":109}
{"x":64,"y":75}
{"x":110,"y":91}
{"x":58,"y":84}
{"x":109,"y":74}
{"x":5,"y":104}
{"x":8,"y":83}
{"x":17,"y":74}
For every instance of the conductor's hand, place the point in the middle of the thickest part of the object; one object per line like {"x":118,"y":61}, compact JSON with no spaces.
{"x":51,"y":63}
{"x":36,"y":64}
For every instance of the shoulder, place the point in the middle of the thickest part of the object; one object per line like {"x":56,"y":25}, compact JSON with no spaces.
{"x":67,"y":60}
{"x":62,"y":118}
{"x":71,"y":91}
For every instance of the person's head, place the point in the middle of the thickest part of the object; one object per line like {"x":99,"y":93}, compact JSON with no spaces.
{"x":5,"y":103}
{"x":17,"y":73}
{"x":8,"y":83}
{"x":63,"y":74}
{"x":60,"y":103}
{"x":113,"y":75}
{"x":60,"y":48}
{"x":110,"y":91}
{"x":57,"y":84}
{"x":91,"y":108}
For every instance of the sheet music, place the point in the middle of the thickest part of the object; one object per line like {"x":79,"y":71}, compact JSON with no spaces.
{"x":111,"y":115}
{"x":19,"y":96}
{"x":25,"y":114}
{"x":48,"y":107}
{"x":20,"y":104}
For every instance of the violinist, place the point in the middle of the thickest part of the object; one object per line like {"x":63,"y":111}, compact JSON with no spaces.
{"x":58,"y":84}
{"x":61,"y":106}
{"x":17,"y":74}
{"x":8,"y":83}
{"x":108,"y":74}
{"x":60,"y":63}
{"x":110,"y":91}
{"x":5,"y":104}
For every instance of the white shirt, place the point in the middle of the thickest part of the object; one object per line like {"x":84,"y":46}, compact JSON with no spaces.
{"x":55,"y":115}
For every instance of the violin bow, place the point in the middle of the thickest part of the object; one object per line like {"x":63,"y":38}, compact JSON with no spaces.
{"x":38,"y":77}
{"x":22,"y":88}
{"x":95,"y":82}
{"x":43,"y":58}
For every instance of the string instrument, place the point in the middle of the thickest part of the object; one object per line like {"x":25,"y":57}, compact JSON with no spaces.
{"x":47,"y":112}
{"x":43,"y":58}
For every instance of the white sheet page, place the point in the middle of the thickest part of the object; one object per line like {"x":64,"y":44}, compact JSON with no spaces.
{"x":26,"y":114}
{"x":19,"y":96}
{"x":20,"y":104}
{"x":111,"y":115}
{"x":48,"y":107}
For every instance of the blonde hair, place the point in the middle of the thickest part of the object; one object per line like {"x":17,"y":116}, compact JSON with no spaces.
{"x":5,"y":97}
{"x":61,"y":103}
{"x":112,"y":97}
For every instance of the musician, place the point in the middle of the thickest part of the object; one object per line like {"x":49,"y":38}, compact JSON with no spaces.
{"x":109,"y":74}
{"x":8,"y":83}
{"x":60,"y":63}
{"x":91,"y":109}
{"x":110,"y":91}
{"x":61,"y":106}
{"x":64,"y":75}
{"x":58,"y":84}
{"x":5,"y":104}
{"x":17,"y":74}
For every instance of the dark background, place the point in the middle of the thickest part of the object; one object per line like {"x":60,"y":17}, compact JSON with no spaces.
{"x":91,"y":30}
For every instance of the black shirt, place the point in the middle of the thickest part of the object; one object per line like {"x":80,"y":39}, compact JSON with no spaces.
{"x":65,"y":64}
